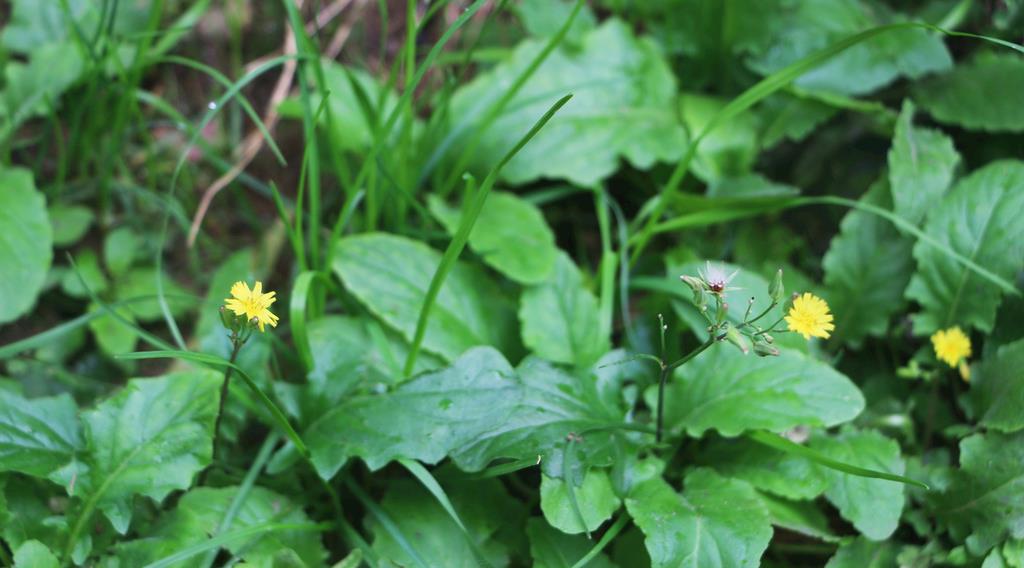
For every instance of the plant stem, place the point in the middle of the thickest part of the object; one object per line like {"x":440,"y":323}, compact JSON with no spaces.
{"x":665,"y":370}
{"x":224,"y":393}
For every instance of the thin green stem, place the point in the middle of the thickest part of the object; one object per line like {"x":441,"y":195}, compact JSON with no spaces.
{"x":237,"y":343}
{"x":663,"y":378}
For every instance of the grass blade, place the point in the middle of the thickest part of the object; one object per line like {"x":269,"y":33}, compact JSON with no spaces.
{"x":782,"y":444}
{"x":385,"y":521}
{"x":469,"y":216}
{"x":220,"y":540}
{"x":612,"y":532}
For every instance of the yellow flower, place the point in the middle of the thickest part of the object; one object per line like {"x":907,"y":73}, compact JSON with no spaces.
{"x":253,"y":304}
{"x":952,"y":346}
{"x":810,"y":316}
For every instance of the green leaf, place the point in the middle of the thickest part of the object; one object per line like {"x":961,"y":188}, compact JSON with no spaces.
{"x":87,"y":268}
{"x":867,"y":268}
{"x":551,"y":548}
{"x":34,"y":554}
{"x":973,"y":95}
{"x":560,"y":318}
{"x":38,"y":435}
{"x":979,"y":219}
{"x":786,"y":32}
{"x":483,"y":506}
{"x":716,"y":521}
{"x":872,"y":505}
{"x":543,"y":18}
{"x":113,"y":337}
{"x":863,"y":553}
{"x":595,"y":498}
{"x":477,"y":410}
{"x":804,"y":517}
{"x":168,"y":442}
{"x":142,"y":282}
{"x":921,"y":166}
{"x":69,"y":223}
{"x":390,"y":275}
{"x":119,"y":250}
{"x":623,"y":105}
{"x":25,"y":242}
{"x":726,"y":151}
{"x":198,"y":516}
{"x":34,"y":89}
{"x":510,"y":234}
{"x":25,"y":513}
{"x":788,"y":117}
{"x":730,"y":393}
{"x":998,"y":389}
{"x":423,"y":419}
{"x":34,"y":24}
{"x":764,"y":468}
{"x":983,"y":505}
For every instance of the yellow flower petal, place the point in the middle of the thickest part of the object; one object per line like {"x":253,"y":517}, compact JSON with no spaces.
{"x":253,"y":304}
{"x":952,"y":346}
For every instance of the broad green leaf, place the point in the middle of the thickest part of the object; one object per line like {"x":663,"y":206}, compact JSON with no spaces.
{"x":784,"y":32}
{"x":980,"y":219}
{"x":423,"y":419}
{"x":510,"y":234}
{"x":543,"y":18}
{"x":921,"y":166}
{"x":560,"y":318}
{"x":872,"y":505}
{"x":764,"y":468}
{"x":69,"y":223}
{"x":198,"y":516}
{"x":390,"y":275}
{"x":38,"y":435}
{"x":85,"y":276}
{"x":142,"y":282}
{"x":113,"y":337}
{"x":477,"y":410}
{"x":26,"y":514}
{"x":34,"y":89}
{"x":622,"y":105}
{"x":864,"y":553}
{"x":119,"y":250}
{"x":551,"y":548}
{"x":351,"y":129}
{"x":804,"y":517}
{"x":34,"y":24}
{"x":983,"y":505}
{"x":973,"y":95}
{"x":25,"y":242}
{"x":998,"y":389}
{"x":867,"y":268}
{"x":168,"y":441}
{"x":725,"y":391}
{"x":34,"y":554}
{"x":483,"y":507}
{"x":787,"y":117}
{"x":595,"y":498}
{"x":726,"y":151}
{"x":716,"y":521}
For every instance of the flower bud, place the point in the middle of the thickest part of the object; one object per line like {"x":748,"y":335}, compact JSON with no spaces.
{"x":776,"y":290}
{"x":733,"y":335}
{"x":768,"y":338}
{"x":765,"y":350}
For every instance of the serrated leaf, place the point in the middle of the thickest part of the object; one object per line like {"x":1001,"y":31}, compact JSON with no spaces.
{"x":168,"y":442}
{"x":560,"y":319}
{"x":622,"y":106}
{"x":980,"y":219}
{"x":985,"y":504}
{"x":998,"y":389}
{"x":921,"y":166}
{"x":864,"y":553}
{"x":25,"y":242}
{"x":973,"y":95}
{"x":34,"y":554}
{"x":510,"y":235}
{"x":785,"y":32}
{"x":551,"y":548}
{"x":872,"y":505}
{"x":483,"y":507}
{"x":595,"y":498}
{"x":391,"y":274}
{"x":867,"y":268}
{"x":764,"y":468}
{"x":716,"y":521}
{"x":724,"y":391}
{"x":38,"y":435}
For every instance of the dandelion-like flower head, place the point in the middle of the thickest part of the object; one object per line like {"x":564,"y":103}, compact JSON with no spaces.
{"x":809,"y":316}
{"x":951,"y":345}
{"x":253,"y":304}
